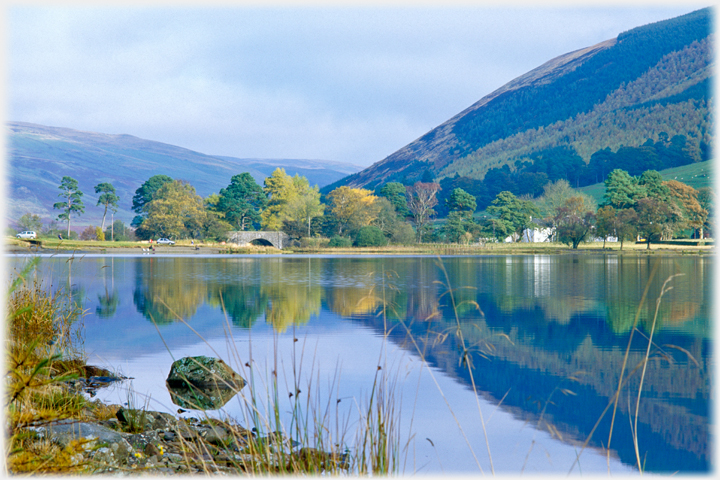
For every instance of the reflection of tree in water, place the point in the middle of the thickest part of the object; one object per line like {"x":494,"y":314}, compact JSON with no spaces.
{"x":169,"y":289}
{"x":107,"y":304}
{"x":294,"y":294}
{"x":678,"y":305}
{"x":237,"y":289}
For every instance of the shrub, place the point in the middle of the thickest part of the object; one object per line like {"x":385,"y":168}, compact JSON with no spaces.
{"x":88,"y":234}
{"x":370,"y":236}
{"x":99,"y":234}
{"x":403,"y":234}
{"x":342,"y":242}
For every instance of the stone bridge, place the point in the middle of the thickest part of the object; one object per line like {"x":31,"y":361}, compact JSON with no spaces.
{"x":276,"y":239}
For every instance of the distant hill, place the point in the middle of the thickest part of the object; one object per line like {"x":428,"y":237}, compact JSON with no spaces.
{"x":642,"y":99}
{"x":39,"y":156}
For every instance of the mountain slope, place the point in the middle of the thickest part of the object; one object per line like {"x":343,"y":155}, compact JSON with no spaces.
{"x":621,"y":92}
{"x":39,"y":156}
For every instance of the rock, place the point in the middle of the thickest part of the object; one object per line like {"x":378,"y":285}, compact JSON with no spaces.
{"x":203,"y":372}
{"x":65,"y":431}
{"x":202,"y":383}
{"x":200,"y":398}
{"x":146,"y":419}
{"x":150,"y":450}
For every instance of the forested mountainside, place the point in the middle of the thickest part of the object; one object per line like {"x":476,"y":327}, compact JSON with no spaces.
{"x":640,"y":101}
{"x":39,"y":156}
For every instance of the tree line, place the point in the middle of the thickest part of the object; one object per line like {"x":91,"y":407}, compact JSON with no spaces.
{"x":643,"y":205}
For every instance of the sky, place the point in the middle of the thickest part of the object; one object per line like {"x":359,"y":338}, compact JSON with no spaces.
{"x":350,"y":84}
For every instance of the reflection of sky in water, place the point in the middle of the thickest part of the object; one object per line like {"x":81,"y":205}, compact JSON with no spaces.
{"x":548,"y":306}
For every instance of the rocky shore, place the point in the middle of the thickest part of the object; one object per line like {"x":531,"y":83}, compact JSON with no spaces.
{"x":134,"y":440}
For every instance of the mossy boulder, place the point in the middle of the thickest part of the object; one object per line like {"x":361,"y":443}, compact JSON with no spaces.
{"x":203,"y":372}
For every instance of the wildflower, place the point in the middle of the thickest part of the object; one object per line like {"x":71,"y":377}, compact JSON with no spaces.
{"x":138,"y":455}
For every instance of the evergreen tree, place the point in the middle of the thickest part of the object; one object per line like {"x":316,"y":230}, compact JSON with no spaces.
{"x":107,"y":198}
{"x":73,"y":201}
{"x":241,"y":202}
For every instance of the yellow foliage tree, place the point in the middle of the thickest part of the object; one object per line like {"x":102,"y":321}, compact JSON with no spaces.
{"x":354,"y":208}
{"x":176,"y":211}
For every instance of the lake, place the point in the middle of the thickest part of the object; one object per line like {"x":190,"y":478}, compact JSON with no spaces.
{"x":528,"y":349}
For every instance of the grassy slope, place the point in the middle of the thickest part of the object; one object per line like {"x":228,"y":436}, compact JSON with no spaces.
{"x":697,"y":175}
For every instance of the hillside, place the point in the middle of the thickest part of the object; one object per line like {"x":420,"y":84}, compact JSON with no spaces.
{"x":697,"y":175}
{"x":39,"y":156}
{"x":643,"y":98}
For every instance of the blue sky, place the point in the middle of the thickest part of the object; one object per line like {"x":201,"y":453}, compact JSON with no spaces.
{"x":344,"y":84}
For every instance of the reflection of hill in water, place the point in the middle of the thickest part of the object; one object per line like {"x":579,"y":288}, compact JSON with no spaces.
{"x":531,"y":322}
{"x":527,"y":360}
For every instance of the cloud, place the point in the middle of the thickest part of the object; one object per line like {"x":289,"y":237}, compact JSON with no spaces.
{"x":346,"y":84}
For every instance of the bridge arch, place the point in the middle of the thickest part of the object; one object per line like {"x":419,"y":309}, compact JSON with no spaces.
{"x":243,"y":238}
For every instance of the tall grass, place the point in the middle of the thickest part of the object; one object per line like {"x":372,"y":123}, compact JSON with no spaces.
{"x":319,"y":435}
{"x":42,"y":352}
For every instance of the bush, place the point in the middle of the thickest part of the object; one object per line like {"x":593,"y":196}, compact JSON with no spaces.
{"x":403,"y":234}
{"x":314,"y":242}
{"x":89,"y":234}
{"x":341,"y":242}
{"x":99,"y":234}
{"x":370,"y":236}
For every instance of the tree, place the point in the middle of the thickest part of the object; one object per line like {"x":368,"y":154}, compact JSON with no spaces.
{"x":652,"y":182}
{"x":554,"y":196}
{"x":278,"y":189}
{"x":655,"y":218}
{"x":459,"y":221}
{"x":176,"y":211}
{"x":514,"y":215}
{"x":304,"y":203}
{"x":73,"y":201}
{"x":622,"y":190}
{"x":461,"y":201}
{"x":31,"y":222}
{"x":706,"y":199}
{"x":421,"y":199}
{"x":353,"y":208}
{"x":145,"y":194}
{"x":574,"y":221}
{"x":395,"y":193}
{"x":626,"y":225}
{"x":242,"y":201}
{"x":686,"y":197}
{"x":108,"y":198}
{"x":605,"y":220}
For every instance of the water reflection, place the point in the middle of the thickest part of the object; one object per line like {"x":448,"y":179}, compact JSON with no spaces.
{"x":546,"y":335}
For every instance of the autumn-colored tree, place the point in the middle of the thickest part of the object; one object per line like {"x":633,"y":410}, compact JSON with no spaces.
{"x":176,"y":211}
{"x":303,"y":205}
{"x":278,"y":188}
{"x":353,"y":208}
{"x":626,"y":225}
{"x":686,"y":197}
{"x":574,"y":221}
{"x":656,"y":219}
{"x":145,"y":194}
{"x":421,"y":201}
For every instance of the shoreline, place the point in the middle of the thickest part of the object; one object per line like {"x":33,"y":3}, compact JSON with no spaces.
{"x":423,"y":249}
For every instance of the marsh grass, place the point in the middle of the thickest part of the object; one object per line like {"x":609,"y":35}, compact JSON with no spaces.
{"x":318,"y":436}
{"x":40,"y":334}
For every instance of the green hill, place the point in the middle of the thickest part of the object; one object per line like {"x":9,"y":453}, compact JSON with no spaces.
{"x":639,"y":101}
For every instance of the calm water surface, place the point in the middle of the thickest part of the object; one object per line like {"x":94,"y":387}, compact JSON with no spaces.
{"x":545,"y":337}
